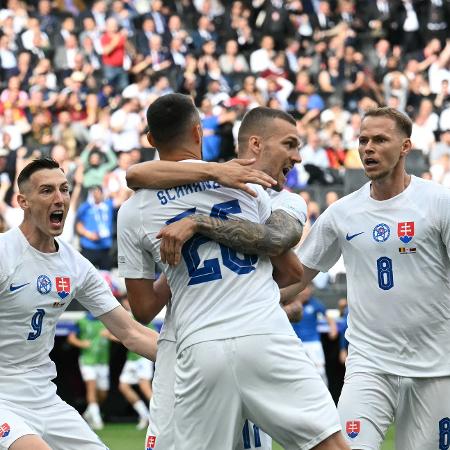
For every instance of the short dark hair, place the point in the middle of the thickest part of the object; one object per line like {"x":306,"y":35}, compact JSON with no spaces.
{"x":255,"y":122}
{"x":169,"y":117}
{"x":402,"y":121}
{"x":35,"y":166}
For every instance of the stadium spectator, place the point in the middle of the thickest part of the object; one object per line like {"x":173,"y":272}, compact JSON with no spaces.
{"x":94,"y":224}
{"x":113,"y":54}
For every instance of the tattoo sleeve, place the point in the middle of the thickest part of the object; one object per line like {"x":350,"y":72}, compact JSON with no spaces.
{"x":280,"y":233}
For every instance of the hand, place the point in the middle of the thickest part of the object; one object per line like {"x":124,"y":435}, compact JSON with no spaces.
{"x":92,"y":236}
{"x":235,"y":174}
{"x":85,"y":344}
{"x":173,"y":237}
{"x":343,"y":356}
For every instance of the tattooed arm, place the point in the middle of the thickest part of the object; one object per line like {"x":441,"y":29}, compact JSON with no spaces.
{"x":280,"y":233}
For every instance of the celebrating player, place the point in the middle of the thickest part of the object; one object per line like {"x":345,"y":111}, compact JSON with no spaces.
{"x":230,"y":328}
{"x":394,"y":235}
{"x":290,"y":207}
{"x":39,"y":276}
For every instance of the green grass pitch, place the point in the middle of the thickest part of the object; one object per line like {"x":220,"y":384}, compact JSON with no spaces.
{"x":126,"y":437}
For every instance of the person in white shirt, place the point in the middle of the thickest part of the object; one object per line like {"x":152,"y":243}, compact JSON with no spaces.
{"x":39,"y":276}
{"x":126,"y":126}
{"x":394,"y":235}
{"x":224,"y":304}
{"x":157,"y":174}
{"x":262,"y":59}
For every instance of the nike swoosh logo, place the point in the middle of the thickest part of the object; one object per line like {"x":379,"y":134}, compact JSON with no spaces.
{"x":13,"y":288}
{"x":349,"y":237}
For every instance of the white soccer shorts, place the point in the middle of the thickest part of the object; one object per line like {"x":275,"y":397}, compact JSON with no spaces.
{"x":160,"y":432}
{"x":97,"y":372}
{"x":419,"y":407}
{"x":314,"y":350}
{"x":133,"y":371}
{"x":59,"y":425}
{"x":265,"y":378}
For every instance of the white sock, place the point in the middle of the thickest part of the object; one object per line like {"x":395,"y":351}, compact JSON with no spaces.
{"x":94,"y":409}
{"x":141,"y":409}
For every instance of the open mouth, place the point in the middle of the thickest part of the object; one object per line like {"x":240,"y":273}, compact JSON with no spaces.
{"x":286,"y":170}
{"x":370,"y":162}
{"x":56,"y":217}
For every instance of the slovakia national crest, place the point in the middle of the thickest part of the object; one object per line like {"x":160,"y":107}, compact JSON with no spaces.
{"x":353,"y":427}
{"x":62,"y":286}
{"x":4,"y":430}
{"x":405,"y":231}
{"x":151,"y":442}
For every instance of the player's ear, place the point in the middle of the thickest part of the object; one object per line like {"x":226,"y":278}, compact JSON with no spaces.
{"x":406,"y":147}
{"x":150,"y":139}
{"x":22,"y":201}
{"x":254,"y":145}
{"x":197,"y":133}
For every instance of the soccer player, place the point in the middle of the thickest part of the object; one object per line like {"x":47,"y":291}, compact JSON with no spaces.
{"x":136,"y":371}
{"x":165,"y":174}
{"x":230,"y":328}
{"x":90,"y":338}
{"x":394,"y":235}
{"x":39,"y":276}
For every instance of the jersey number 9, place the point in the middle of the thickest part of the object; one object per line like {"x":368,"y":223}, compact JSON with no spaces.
{"x":36,"y":324}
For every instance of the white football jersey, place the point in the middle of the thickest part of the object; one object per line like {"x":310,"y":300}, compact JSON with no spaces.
{"x":35,"y":289}
{"x":290,"y":202}
{"x":396,"y":254}
{"x":217,"y":293}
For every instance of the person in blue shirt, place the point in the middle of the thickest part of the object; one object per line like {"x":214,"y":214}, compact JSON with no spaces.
{"x":306,"y":329}
{"x":94,"y":224}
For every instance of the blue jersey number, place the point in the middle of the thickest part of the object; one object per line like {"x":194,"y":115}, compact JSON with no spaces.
{"x":385,"y":274}
{"x":246,"y":436}
{"x":444,"y":434}
{"x":36,"y":324}
{"x":211,"y":267}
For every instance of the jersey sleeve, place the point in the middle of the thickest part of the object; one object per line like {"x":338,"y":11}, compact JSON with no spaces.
{"x":444,"y":217}
{"x":293,"y":204}
{"x":95,"y":294}
{"x":264,"y":204}
{"x":320,"y":250}
{"x":134,"y":259}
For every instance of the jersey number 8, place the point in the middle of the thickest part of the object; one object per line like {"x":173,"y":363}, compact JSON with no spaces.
{"x":385,"y":274}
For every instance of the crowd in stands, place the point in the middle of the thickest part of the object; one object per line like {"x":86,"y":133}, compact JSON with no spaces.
{"x":76,"y":78}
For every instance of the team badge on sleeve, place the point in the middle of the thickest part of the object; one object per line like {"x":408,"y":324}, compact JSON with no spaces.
{"x":62,"y":286}
{"x":4,"y":430}
{"x":43,"y":284}
{"x":353,"y":427}
{"x":405,"y":231}
{"x":151,"y":442}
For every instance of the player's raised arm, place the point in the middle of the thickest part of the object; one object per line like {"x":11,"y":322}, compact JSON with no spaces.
{"x":166,"y":174}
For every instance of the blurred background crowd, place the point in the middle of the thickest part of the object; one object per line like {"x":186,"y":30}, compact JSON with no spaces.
{"x":76,"y":78}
